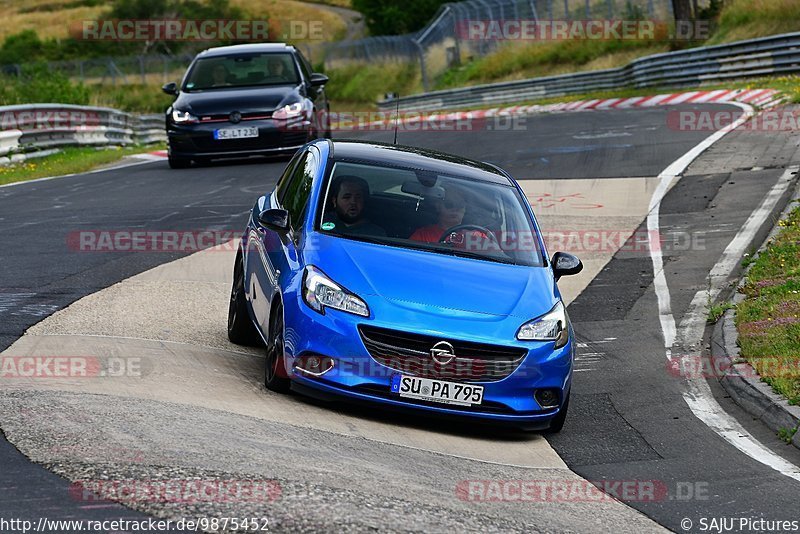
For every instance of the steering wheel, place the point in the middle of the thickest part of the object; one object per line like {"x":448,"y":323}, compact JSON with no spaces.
{"x":481,"y":229}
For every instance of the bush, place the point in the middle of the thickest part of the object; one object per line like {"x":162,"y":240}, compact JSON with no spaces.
{"x":38,"y":84}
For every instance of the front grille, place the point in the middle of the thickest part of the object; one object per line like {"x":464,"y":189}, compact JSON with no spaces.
{"x":410,"y":353}
{"x":225,"y":117}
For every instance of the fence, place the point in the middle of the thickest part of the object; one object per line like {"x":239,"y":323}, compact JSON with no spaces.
{"x":439,"y":45}
{"x":39,"y":128}
{"x":774,"y":55}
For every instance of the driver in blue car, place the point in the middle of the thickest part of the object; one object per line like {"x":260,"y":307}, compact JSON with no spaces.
{"x":348,"y":196}
{"x":450,"y":212}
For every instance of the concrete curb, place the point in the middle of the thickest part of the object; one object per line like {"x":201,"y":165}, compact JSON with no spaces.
{"x":739,"y":378}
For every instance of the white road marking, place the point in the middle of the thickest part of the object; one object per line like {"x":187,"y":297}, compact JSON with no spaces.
{"x":699,"y":397}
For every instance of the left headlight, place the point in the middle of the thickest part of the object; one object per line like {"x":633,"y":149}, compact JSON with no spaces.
{"x":320,"y":292}
{"x":289,"y":111}
{"x":552,"y":326}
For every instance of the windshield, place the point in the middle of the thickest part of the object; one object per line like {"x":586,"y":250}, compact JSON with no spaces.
{"x":242,"y":70}
{"x":424,"y":210}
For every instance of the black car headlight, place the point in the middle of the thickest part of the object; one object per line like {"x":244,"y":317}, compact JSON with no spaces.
{"x":321,"y":292}
{"x":552,"y":326}
{"x":290,"y":111}
{"x":183,"y":117}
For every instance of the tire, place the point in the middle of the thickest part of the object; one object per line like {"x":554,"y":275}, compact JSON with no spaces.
{"x":275,"y":377}
{"x":241,"y":329}
{"x":178,"y":163}
{"x":558,"y":421}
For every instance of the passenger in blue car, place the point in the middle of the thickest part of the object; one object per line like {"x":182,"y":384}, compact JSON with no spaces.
{"x":348,"y":197}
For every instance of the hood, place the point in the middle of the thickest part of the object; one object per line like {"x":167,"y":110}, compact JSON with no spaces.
{"x":414,"y":278}
{"x":244,"y":100}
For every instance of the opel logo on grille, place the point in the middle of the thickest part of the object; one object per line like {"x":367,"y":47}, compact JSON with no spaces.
{"x":235,"y":117}
{"x":443,"y":353}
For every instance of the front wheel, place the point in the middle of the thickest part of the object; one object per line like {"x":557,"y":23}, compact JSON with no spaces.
{"x":178,"y":163}
{"x":275,"y":377}
{"x":558,"y":421}
{"x":240,"y":328}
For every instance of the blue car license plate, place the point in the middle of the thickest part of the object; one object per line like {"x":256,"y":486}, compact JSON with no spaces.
{"x":414,"y":387}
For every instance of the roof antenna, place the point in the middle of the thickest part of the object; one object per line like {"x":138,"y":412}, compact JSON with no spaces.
{"x":397,"y":113}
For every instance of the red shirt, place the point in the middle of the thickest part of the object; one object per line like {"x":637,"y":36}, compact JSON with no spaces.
{"x":428,"y":234}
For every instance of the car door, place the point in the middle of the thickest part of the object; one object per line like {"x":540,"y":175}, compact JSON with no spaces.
{"x":315,"y":94}
{"x":277,"y":251}
{"x":256,"y":259}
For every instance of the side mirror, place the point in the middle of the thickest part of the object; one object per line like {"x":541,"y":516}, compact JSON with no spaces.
{"x":275,"y":219}
{"x":170,"y":88}
{"x":318,"y":79}
{"x":566,"y":264}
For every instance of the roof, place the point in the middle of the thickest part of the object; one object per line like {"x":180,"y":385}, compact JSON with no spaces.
{"x":246,"y":48}
{"x":418,"y":158}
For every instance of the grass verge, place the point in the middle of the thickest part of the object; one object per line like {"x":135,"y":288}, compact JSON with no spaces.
{"x":768,"y":320}
{"x":69,"y":161}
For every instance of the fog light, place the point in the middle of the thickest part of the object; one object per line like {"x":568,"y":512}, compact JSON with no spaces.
{"x":547,"y":398}
{"x":314,"y":365}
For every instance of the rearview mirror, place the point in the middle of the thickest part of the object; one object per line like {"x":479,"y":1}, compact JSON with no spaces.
{"x":566,"y":264}
{"x":275,"y":219}
{"x":170,"y":88}
{"x":413,"y":187}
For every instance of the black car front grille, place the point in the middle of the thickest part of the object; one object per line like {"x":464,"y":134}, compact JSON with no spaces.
{"x":411,"y":354}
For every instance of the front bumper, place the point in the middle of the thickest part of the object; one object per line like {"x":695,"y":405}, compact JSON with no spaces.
{"x":358,"y":377}
{"x":197,"y":139}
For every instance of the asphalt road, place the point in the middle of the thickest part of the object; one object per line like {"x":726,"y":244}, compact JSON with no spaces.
{"x":628,"y":420}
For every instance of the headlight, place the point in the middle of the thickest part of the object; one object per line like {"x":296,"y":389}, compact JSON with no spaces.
{"x":289,"y":111}
{"x":182,"y":117}
{"x":320,"y":292}
{"x":552,"y":326}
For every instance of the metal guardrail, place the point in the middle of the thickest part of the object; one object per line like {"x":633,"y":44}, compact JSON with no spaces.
{"x":774,"y":55}
{"x":35,"y":128}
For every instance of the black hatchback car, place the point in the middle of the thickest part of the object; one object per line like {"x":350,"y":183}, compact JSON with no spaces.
{"x":243,"y":100}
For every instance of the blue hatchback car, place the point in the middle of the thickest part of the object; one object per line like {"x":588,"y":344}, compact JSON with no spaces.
{"x":407,"y":278}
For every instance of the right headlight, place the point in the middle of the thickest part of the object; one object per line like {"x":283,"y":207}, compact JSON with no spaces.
{"x":182,"y":117}
{"x":552,"y":326}
{"x":321,"y":292}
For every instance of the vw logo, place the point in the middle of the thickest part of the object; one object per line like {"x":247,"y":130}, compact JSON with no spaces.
{"x":443,"y":353}
{"x":235,"y":117}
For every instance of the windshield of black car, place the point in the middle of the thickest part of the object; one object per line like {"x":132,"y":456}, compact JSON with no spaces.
{"x":430,"y":211}
{"x":242,"y":70}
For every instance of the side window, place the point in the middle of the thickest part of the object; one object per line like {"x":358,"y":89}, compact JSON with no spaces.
{"x":299,"y":188}
{"x":283,"y":181}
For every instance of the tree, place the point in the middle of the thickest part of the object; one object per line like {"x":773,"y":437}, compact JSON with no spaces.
{"x":390,"y":17}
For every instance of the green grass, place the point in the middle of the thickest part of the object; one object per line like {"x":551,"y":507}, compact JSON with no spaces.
{"x":748,"y":19}
{"x":769,"y":318}
{"x":68,"y":161}
{"x":715,"y":311}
